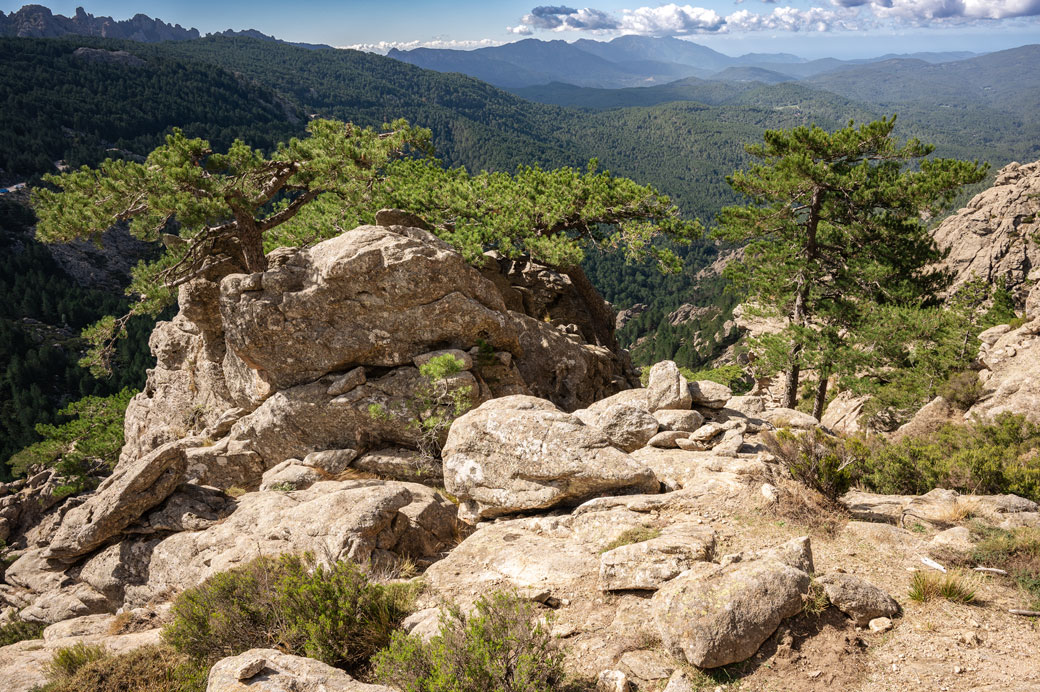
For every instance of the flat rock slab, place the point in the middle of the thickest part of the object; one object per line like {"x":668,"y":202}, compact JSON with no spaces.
{"x":648,"y":564}
{"x":270,"y":670}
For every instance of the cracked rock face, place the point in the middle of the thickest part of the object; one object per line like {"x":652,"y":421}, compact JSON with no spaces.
{"x":519,"y":453}
{"x":992,"y":237}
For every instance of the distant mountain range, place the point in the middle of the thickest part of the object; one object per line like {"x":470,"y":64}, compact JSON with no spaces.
{"x":629,"y":61}
{"x":37,"y":21}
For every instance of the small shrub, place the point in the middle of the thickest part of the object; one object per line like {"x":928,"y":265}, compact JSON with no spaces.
{"x":1017,"y":552}
{"x":954,"y":586}
{"x":815,"y":599}
{"x":963,"y":390}
{"x":67,"y":661}
{"x":284,"y":487}
{"x":633,"y":535}
{"x":148,"y":669}
{"x":331,"y":613}
{"x":815,"y":459}
{"x":20,"y":631}
{"x":502,"y":647}
{"x":733,"y":376}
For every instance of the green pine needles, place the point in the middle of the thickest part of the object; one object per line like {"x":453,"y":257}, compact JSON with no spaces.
{"x":834,"y":232}
{"x":217,"y":213}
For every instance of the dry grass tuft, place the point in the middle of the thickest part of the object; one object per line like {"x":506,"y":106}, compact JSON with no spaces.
{"x":954,"y":586}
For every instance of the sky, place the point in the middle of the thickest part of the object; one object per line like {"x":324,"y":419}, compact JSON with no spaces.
{"x":809,"y":28}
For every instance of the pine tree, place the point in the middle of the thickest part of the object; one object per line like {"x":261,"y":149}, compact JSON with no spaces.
{"x":217,"y":213}
{"x":833,"y":229}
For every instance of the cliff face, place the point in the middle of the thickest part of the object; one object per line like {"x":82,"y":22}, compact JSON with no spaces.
{"x":993,"y":238}
{"x":36,"y":21}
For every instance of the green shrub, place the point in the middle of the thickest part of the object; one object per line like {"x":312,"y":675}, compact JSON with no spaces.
{"x":148,"y":669}
{"x":82,"y":450}
{"x":334,"y":614}
{"x":816,"y":459}
{"x":983,"y":458}
{"x":963,"y":389}
{"x":503,"y":646}
{"x":67,"y":661}
{"x":733,"y":376}
{"x":19,"y":631}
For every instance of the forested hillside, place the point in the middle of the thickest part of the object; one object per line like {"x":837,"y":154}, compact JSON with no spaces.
{"x":80,"y":99}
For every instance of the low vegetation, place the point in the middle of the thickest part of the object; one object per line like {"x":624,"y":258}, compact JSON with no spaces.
{"x":954,"y":586}
{"x":20,"y":631}
{"x":503,"y":645}
{"x":332,"y":613}
{"x":1016,"y":551}
{"x":148,"y":669}
{"x":996,"y":457}
{"x":633,"y":535}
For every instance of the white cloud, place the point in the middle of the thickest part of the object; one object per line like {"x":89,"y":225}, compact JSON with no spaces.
{"x":670,"y":20}
{"x":679,"y":20}
{"x":383,"y":47}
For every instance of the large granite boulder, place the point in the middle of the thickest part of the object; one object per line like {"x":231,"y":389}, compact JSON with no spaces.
{"x":520,"y":453}
{"x":367,"y":297}
{"x":712,"y":615}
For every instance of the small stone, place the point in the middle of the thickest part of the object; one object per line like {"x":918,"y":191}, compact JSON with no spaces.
{"x":612,"y":681}
{"x":957,"y":670}
{"x":769,"y":492}
{"x":251,"y":668}
{"x":353,"y":379}
{"x":879,"y":625}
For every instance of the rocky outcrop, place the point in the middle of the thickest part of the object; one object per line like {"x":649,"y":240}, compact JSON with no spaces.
{"x":521,"y":453}
{"x":292,"y":360}
{"x":1011,"y":378}
{"x":35,"y":21}
{"x":270,"y":670}
{"x":374,"y":523}
{"x":992,"y":238}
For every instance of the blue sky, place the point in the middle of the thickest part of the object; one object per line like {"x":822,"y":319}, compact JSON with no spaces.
{"x":811,"y":28}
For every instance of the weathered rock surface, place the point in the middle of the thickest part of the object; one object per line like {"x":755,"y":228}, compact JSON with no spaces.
{"x":938,"y":508}
{"x":270,"y":670}
{"x":370,"y":522}
{"x":843,"y":413}
{"x":682,"y":421}
{"x":789,"y":418}
{"x":375,"y":298}
{"x":132,"y":489}
{"x":648,"y":564}
{"x":520,"y":453}
{"x":709,"y":394}
{"x":992,"y":238}
{"x":712,"y":615}
{"x":1011,"y":382}
{"x":627,"y":427}
{"x":857,"y":598}
{"x":667,"y":388}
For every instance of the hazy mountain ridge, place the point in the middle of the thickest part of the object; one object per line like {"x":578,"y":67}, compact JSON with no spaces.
{"x":629,"y":61}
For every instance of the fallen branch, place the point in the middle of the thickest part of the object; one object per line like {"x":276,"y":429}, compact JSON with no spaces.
{"x":928,"y":562}
{"x":990,"y":570}
{"x":1026,"y":613}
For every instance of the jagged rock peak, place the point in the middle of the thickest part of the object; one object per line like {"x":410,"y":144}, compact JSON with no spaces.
{"x":37,"y":21}
{"x":993,"y":237}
